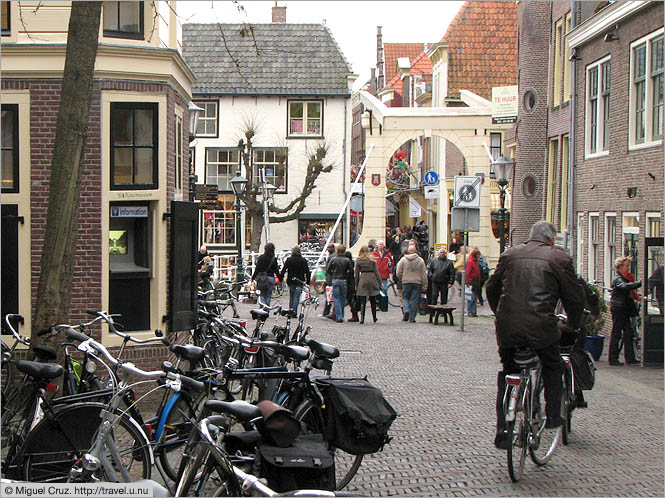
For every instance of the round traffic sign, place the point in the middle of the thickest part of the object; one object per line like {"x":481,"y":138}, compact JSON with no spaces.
{"x":431,"y":178}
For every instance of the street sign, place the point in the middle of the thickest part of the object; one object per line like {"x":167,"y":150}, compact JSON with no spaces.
{"x":205,"y":192}
{"x":431,"y":178}
{"x":465,"y":220}
{"x":431,"y":192}
{"x":467,"y":191}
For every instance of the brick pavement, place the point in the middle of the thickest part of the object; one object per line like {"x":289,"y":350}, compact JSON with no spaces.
{"x":442,"y":383}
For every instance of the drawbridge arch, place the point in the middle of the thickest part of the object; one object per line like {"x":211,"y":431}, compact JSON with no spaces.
{"x":388,"y":128}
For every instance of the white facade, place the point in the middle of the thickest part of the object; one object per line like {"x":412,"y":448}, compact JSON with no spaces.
{"x":269,"y":117}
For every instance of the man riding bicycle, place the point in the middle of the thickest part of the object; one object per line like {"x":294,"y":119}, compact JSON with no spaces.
{"x":523,"y":292}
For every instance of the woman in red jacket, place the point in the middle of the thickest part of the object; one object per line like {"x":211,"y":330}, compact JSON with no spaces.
{"x":473,"y":279}
{"x":385,"y":262}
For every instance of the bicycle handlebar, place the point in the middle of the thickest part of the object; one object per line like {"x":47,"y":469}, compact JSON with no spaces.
{"x":108,"y":318}
{"x":20,"y":319}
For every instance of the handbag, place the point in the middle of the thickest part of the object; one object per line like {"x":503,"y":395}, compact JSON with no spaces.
{"x":261,"y":279}
{"x":329,"y":294}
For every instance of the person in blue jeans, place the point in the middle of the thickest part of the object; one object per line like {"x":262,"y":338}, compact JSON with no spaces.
{"x":339,"y":269}
{"x":412,"y":272}
{"x":297,"y":269}
{"x":265,"y":272}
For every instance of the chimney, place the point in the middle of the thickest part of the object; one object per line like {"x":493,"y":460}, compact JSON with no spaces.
{"x":372,"y":82}
{"x":379,"y":59}
{"x":278,"y":13}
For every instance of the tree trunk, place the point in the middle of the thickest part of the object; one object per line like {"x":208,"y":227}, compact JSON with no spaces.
{"x":59,"y":251}
{"x":257,"y":229}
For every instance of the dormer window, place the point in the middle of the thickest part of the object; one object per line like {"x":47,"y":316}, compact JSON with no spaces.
{"x":123,"y":19}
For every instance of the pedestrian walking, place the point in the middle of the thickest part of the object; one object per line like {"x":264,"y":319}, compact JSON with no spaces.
{"x":385,"y":262}
{"x":412,"y":272}
{"x":523,"y":292}
{"x":265,"y":272}
{"x":484,"y":275}
{"x":623,"y":306}
{"x":331,"y":254}
{"x":367,"y":281}
{"x":295,"y":267}
{"x":473,"y":281}
{"x":339,"y":269}
{"x":351,"y":298}
{"x":442,"y":273}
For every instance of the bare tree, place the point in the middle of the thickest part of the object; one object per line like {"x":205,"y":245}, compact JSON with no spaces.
{"x":56,"y":270}
{"x":254,"y":204}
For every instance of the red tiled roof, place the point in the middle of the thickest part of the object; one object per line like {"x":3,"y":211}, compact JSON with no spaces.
{"x":421,"y":65}
{"x":393,"y":51}
{"x":482,"y":48}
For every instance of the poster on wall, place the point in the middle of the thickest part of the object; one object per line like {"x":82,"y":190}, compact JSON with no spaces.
{"x":415,"y":210}
{"x":317,"y":231}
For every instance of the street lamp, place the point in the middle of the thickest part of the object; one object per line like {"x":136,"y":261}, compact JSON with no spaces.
{"x":504,"y":169}
{"x":238,"y":184}
{"x":268,"y":193}
{"x":194,"y":113}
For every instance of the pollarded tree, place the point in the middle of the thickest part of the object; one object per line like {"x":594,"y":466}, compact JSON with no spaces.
{"x":316,"y":165}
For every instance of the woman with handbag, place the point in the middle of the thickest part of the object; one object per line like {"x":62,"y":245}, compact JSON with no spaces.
{"x":265,"y":272}
{"x":367,"y":280}
{"x":623,"y":307}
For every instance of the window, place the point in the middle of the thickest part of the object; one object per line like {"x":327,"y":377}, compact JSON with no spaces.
{"x":552,"y":179}
{"x":5,"y":28}
{"x":564,"y":184}
{"x":558,"y":62}
{"x":179,"y":159}
{"x":646,"y":91}
{"x":610,"y":247}
{"x":221,"y":167}
{"x":133,"y":146}
{"x":580,"y":241}
{"x":273,"y":162}
{"x":529,"y":101}
{"x":123,"y":19}
{"x":9,"y":147}
{"x":594,"y":241}
{"x":566,"y":62}
{"x":631,"y":238}
{"x":305,"y":118}
{"x":598,"y":107}
{"x":207,"y":123}
{"x":495,"y":151}
{"x":219,"y":225}
{"x":653,"y":226}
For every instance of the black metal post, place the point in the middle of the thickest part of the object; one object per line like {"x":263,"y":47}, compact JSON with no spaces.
{"x":502,"y":212}
{"x":239,"y":265}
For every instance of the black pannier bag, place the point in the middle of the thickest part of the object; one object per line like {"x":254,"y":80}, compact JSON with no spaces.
{"x":306,"y":464}
{"x":584,"y":369}
{"x":358,"y":415}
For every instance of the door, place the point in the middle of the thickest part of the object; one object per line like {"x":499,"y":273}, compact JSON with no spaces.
{"x":9,"y":255}
{"x":183,"y":271}
{"x":652,"y":304}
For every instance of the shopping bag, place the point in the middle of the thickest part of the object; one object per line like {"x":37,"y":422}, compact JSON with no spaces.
{"x":329,"y":293}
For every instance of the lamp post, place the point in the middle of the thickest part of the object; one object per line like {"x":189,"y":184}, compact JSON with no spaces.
{"x":194,"y":113}
{"x":238,"y":184}
{"x":504,"y":169}
{"x":268,"y":193}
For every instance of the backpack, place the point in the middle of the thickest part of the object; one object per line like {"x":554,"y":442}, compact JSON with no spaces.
{"x":358,"y":416}
{"x":484,"y":269}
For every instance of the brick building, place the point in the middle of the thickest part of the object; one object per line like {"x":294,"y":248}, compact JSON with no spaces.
{"x":130,"y":172}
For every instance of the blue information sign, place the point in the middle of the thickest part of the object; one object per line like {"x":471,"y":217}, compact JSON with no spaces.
{"x":431,"y":178}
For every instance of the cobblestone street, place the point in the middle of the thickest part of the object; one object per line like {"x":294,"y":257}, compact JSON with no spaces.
{"x":442,"y":383}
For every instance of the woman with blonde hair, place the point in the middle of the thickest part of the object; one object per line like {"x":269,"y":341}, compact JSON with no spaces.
{"x":623,"y":307}
{"x":368,"y":281}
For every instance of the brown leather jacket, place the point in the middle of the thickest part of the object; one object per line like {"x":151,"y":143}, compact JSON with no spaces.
{"x":524,"y":290}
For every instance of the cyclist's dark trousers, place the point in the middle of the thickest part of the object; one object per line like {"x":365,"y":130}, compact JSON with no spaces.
{"x":552,"y":371}
{"x":621,"y":325}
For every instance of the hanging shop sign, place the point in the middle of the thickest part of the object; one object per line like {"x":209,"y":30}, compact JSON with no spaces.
{"x":415,"y":210}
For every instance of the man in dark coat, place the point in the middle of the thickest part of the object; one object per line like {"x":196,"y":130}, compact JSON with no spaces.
{"x":442,"y":271}
{"x":523,"y":293}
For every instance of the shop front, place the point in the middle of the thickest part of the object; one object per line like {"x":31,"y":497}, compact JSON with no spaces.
{"x":316,"y":228}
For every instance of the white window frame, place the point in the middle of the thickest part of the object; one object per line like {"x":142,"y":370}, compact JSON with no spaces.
{"x":580,"y":242}
{"x":632,"y":230}
{"x":633,"y":144}
{"x":230,"y":165}
{"x":647,"y":226}
{"x":594,"y":243}
{"x":609,"y":260}
{"x":271,"y":167}
{"x":206,"y":118}
{"x":602,"y":96}
{"x":305,"y":118}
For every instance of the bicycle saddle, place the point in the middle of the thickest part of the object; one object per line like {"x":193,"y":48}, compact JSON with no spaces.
{"x":289,"y":313}
{"x":321,"y":349}
{"x":241,"y":410}
{"x":188,"y":352}
{"x":36,"y":370}
{"x":44,"y":352}
{"x":258,"y":314}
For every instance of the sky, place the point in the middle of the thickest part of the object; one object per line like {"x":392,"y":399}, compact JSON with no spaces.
{"x":352,"y":23}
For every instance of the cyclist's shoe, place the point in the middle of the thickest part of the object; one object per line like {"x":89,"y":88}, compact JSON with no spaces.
{"x":634,"y":362}
{"x":616,"y":363}
{"x":554,"y":422}
{"x":501,"y":440}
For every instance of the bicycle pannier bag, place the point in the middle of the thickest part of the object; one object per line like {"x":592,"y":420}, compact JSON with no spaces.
{"x":358,"y":415}
{"x":306,"y":464}
{"x":584,"y":369}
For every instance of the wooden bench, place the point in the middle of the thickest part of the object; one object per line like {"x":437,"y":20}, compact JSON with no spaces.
{"x":440,"y":309}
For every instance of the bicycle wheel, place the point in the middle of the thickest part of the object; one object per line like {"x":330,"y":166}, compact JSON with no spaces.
{"x":346,"y":464}
{"x":393,"y":296}
{"x":517,"y":433}
{"x":543,"y":442}
{"x":175,"y":433}
{"x":16,"y":416}
{"x":52,"y":448}
{"x":566,"y":405}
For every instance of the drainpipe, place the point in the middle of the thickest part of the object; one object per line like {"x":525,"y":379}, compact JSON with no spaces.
{"x":571,"y":141}
{"x":347,"y":230}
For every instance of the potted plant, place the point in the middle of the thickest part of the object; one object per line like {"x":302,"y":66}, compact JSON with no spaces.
{"x":593,"y":326}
